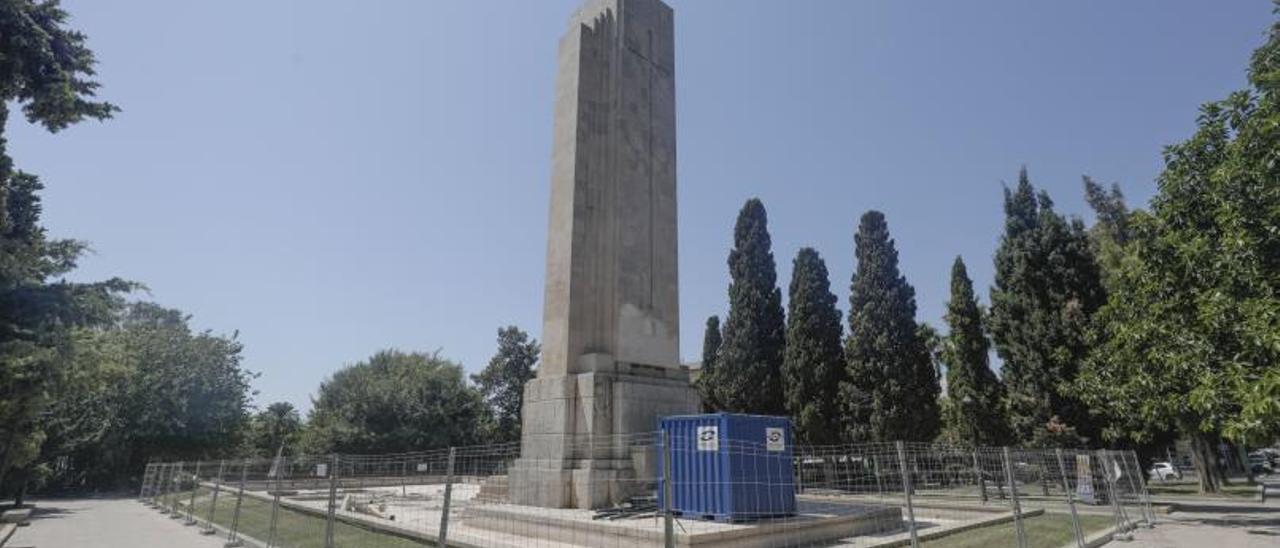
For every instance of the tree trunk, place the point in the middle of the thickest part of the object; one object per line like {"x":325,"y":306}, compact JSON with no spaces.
{"x":1204,"y":461}
{"x":1244,"y":463}
{"x":4,"y":462}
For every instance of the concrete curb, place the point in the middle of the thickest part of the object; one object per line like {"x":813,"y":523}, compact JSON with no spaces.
{"x":1202,"y":505}
{"x":6,"y":531}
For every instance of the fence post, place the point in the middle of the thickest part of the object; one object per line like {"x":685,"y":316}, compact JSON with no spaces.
{"x":146,"y":479}
{"x":154,"y":483}
{"x":233,"y":537}
{"x":906,"y":492}
{"x":1130,"y":525}
{"x":175,"y":472}
{"x":1013,"y":498}
{"x":154,"y":486}
{"x":162,"y":493}
{"x":668,"y":526}
{"x":157,"y":496}
{"x":213,"y":505}
{"x":191,"y":502}
{"x":875,"y":467}
{"x":275,"y":501}
{"x":1110,"y":485}
{"x":1138,"y":484}
{"x":166,"y":485}
{"x":1071,"y":500}
{"x":174,"y":499}
{"x":333,"y":500}
{"x":448,"y":496}
{"x":982,"y":481}
{"x":146,"y":475}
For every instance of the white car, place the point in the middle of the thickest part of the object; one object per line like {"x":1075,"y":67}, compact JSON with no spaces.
{"x":1164,"y":471}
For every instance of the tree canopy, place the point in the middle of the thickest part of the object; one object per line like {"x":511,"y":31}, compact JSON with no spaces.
{"x":146,"y":386}
{"x":748,"y":373}
{"x":395,"y":402}
{"x":274,"y":429}
{"x":1047,"y":288}
{"x":706,"y":383}
{"x":813,"y":366}
{"x":975,"y":396}
{"x":1191,"y":335}
{"x":501,"y":383}
{"x":891,"y":391}
{"x":45,"y":66}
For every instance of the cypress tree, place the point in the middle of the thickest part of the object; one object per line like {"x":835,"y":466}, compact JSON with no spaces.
{"x":1047,"y":287}
{"x":892,"y":390}
{"x":814,"y":363}
{"x":707,"y":376}
{"x":1112,"y":231}
{"x":749,"y":366}
{"x":975,"y":394}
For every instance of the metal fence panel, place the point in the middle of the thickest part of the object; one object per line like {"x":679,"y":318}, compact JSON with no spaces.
{"x":860,"y":495}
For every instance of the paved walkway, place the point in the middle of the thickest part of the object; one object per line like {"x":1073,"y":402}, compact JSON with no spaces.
{"x":1216,"y":530}
{"x":105,"y":523}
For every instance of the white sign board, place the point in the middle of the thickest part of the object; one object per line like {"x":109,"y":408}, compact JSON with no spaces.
{"x":423,"y":467}
{"x":708,"y":438}
{"x":775,"y":439}
{"x":322,"y":470}
{"x":1084,"y":479}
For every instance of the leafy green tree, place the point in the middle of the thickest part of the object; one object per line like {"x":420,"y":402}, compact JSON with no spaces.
{"x":973,"y":390}
{"x":146,"y":386}
{"x":186,"y":395}
{"x":395,"y":402}
{"x":1047,"y":287}
{"x":1190,"y":337}
{"x":501,"y":383}
{"x":706,"y":383}
{"x":38,"y":312}
{"x":276,"y":428}
{"x":45,"y":68}
{"x":813,"y":366}
{"x":749,"y":366}
{"x":892,"y":388}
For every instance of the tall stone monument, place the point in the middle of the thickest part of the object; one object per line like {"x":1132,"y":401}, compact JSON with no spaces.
{"x":610,"y":336}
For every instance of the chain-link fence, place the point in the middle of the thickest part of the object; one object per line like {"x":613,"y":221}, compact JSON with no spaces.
{"x":665,"y":490}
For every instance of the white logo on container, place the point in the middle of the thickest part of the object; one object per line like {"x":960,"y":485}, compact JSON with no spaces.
{"x":774,"y":439}
{"x":708,"y":438}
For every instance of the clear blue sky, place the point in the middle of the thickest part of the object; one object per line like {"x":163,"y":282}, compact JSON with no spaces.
{"x":333,"y":178}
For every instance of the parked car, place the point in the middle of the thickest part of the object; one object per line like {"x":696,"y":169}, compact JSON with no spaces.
{"x":1164,"y":471}
{"x":1259,"y":462}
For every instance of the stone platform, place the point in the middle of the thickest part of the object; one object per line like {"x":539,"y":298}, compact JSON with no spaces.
{"x":816,"y":522}
{"x":588,"y":438}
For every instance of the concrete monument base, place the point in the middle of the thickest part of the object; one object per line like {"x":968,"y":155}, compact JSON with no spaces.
{"x":588,"y":438}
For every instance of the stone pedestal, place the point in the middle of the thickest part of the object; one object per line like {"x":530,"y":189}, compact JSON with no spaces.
{"x":588,"y":437}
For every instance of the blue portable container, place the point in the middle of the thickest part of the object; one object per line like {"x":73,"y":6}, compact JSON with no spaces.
{"x":729,"y":467}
